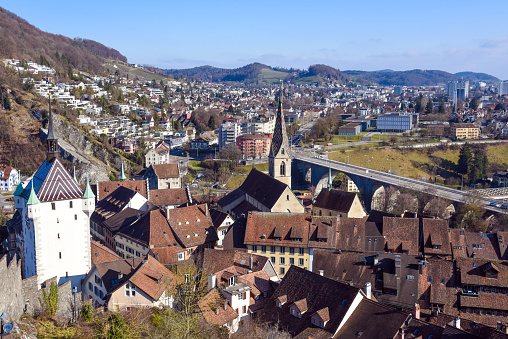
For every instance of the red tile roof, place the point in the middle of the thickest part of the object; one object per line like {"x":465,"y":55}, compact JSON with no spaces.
{"x":166,"y":170}
{"x":401,"y":234}
{"x":105,"y":188}
{"x":192,"y":225}
{"x":101,"y":253}
{"x":215,"y":309}
{"x":169,"y":196}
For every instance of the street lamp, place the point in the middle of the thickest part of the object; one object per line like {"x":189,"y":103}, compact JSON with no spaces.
{"x":462,"y":185}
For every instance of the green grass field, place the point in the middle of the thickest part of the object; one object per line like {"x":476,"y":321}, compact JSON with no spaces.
{"x":134,"y":72}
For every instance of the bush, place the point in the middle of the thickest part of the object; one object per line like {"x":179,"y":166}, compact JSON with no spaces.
{"x":87,"y":312}
{"x":50,"y":301}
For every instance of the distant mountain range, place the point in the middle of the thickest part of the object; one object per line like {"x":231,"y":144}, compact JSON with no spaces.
{"x":257,"y":73}
{"x":21,"y":40}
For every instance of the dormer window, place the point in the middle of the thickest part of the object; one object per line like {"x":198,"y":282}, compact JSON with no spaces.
{"x":232,"y":280}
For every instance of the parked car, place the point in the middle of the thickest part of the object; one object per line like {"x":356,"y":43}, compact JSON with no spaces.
{"x":504,"y":206}
{"x":495,"y":204}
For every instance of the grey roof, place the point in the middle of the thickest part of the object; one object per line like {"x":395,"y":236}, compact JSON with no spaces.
{"x":335,"y":200}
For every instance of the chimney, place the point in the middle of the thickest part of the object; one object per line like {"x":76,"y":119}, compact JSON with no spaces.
{"x":456,"y":322}
{"x":207,"y":213}
{"x":212,"y":281}
{"x":147,"y":190}
{"x":120,"y":275}
{"x":225,"y":305}
{"x":321,"y":272}
{"x":218,"y":309}
{"x":250,"y":262}
{"x":401,"y":333}
{"x":499,"y":326}
{"x":368,"y":290}
{"x":416,"y":311}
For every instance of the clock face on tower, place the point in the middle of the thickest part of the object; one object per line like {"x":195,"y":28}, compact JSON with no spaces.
{"x":27,"y":219}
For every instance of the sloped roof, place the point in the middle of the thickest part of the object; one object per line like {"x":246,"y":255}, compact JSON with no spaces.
{"x":318,"y":291}
{"x":112,"y":204}
{"x":373,"y":320}
{"x":192,"y":225}
{"x":401,"y":234}
{"x":101,"y":253}
{"x":218,"y":260}
{"x":53,"y":182}
{"x":215,"y":309}
{"x":166,"y":170}
{"x":262,"y":187}
{"x":279,"y":137}
{"x":169,"y":196}
{"x":121,"y":219}
{"x":335,"y":200}
{"x":262,"y":226}
{"x":104,"y":188}
{"x":151,"y":229}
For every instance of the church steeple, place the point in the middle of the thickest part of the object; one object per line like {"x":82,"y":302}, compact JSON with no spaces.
{"x":122,"y":174}
{"x":279,"y":160}
{"x":52,"y":140}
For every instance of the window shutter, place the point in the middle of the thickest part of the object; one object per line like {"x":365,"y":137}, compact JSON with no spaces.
{"x":244,"y":295}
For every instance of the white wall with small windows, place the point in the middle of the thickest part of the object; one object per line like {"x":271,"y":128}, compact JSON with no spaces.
{"x":129,"y":248}
{"x":56,"y":238}
{"x":93,"y":287}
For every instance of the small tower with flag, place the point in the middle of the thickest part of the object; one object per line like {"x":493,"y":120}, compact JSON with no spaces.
{"x":279,"y":160}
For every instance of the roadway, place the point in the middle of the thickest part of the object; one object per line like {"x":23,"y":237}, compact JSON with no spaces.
{"x":393,"y":179}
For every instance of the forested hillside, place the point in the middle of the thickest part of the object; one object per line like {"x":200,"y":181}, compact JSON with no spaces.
{"x":21,"y":40}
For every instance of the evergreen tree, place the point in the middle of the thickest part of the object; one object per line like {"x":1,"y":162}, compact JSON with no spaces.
{"x":477,"y":168}
{"x":473,"y":104}
{"x":430,"y":107}
{"x":441,"y":107}
{"x":465,"y":159}
{"x":419,"y":104}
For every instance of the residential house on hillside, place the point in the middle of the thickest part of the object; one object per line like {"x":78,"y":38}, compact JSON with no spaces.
{"x":160,"y":154}
{"x":338,"y":203}
{"x":163,"y":176}
{"x":260,"y":192}
{"x":9,"y":178}
{"x":127,"y":283}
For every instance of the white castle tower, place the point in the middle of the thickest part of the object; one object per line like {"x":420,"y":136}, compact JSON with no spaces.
{"x":56,"y":221}
{"x":279,"y":160}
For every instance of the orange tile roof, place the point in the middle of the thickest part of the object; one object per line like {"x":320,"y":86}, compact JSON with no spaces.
{"x":101,"y":253}
{"x":215,"y":309}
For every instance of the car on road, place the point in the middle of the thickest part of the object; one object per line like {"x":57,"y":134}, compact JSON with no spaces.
{"x":504,"y":206}
{"x":495,"y":204}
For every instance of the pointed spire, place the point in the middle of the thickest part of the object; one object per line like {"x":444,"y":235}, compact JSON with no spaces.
{"x":279,"y":137}
{"x":19,"y":189}
{"x":32,"y":199}
{"x":122,"y":174}
{"x":75,"y":174}
{"x":88,"y":191}
{"x":51,"y":139}
{"x":51,"y":133}
{"x":329,"y":178}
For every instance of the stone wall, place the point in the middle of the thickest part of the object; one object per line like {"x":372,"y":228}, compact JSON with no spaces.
{"x":18,"y":296}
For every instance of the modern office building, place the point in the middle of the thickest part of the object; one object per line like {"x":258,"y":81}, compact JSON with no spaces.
{"x":458,"y":89}
{"x":228,"y":132}
{"x":397,"y":122}
{"x":503,"y":87}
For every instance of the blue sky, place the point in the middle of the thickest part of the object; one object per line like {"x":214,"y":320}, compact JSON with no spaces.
{"x":367,"y":35}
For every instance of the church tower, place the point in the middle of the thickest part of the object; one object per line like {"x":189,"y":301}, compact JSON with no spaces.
{"x":279,"y":160}
{"x":51,"y":139}
{"x":55,"y":221}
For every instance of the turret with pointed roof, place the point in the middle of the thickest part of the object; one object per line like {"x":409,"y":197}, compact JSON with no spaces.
{"x":122,"y":174}
{"x":279,"y":160}
{"x":52,"y":140}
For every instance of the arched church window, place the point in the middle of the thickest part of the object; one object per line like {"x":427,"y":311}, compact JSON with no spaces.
{"x":283,"y":168}
{"x":282,"y":151}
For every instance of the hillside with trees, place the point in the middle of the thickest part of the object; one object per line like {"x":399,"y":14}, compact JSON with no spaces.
{"x":21,"y":40}
{"x":416,"y":77}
